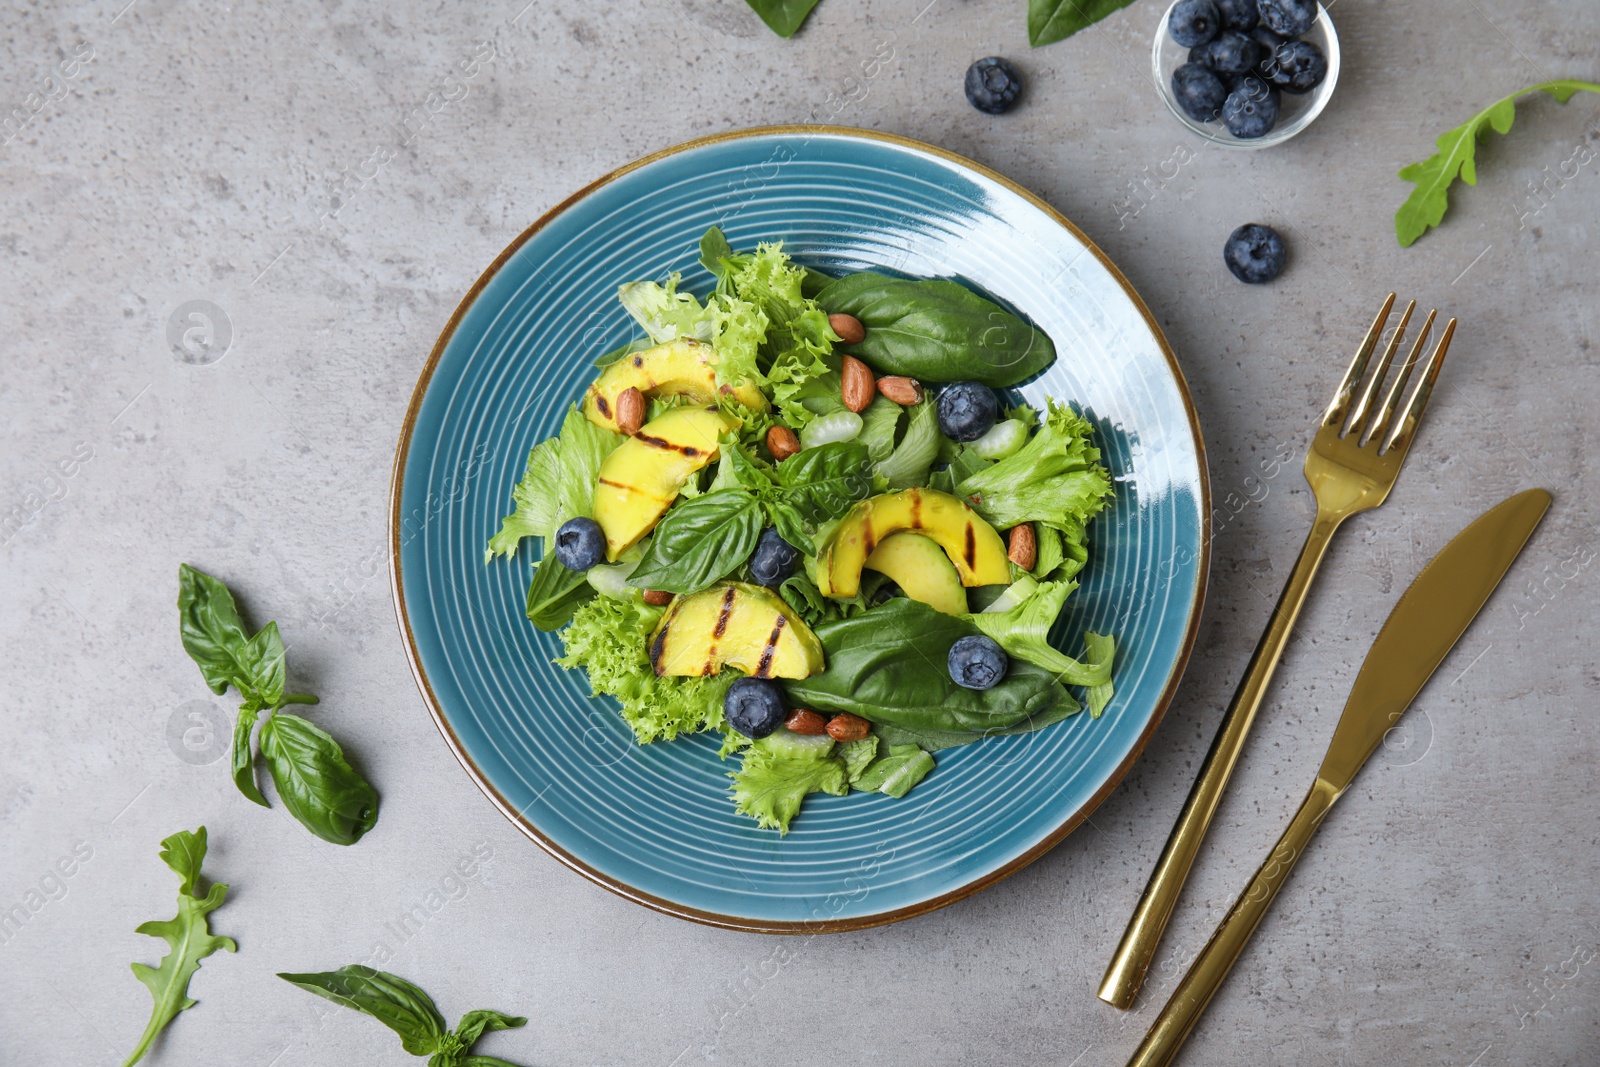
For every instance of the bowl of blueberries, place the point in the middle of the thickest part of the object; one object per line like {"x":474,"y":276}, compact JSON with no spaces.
{"x":1246,"y":73}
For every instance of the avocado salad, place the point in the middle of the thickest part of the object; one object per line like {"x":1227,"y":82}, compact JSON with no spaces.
{"x":802,"y":512}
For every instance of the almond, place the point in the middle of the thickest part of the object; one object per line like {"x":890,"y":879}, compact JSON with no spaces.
{"x":658,"y":597}
{"x":858,"y":386}
{"x":630,"y":411}
{"x":849,"y":328}
{"x":1023,"y":546}
{"x":848,"y":727}
{"x":903,"y":391}
{"x":782,"y":443}
{"x":801,"y":721}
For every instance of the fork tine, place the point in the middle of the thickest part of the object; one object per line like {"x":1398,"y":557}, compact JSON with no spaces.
{"x":1376,"y":380}
{"x":1340,"y":404}
{"x":1407,"y":423}
{"x":1380,"y":418}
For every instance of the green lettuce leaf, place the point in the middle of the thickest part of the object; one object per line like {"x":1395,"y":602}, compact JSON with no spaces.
{"x":558,"y":484}
{"x":913,"y":457}
{"x":663,"y":312}
{"x":608,"y":638}
{"x":935,"y":740}
{"x":880,"y":424}
{"x":857,"y":755}
{"x":1024,"y":632}
{"x":776,"y":777}
{"x":1056,"y":478}
{"x":895,"y":773}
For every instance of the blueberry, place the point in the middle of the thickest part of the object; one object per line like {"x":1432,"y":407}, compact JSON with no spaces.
{"x":1251,"y":110}
{"x":1288,"y":17}
{"x":1238,"y":14}
{"x":1229,"y":52}
{"x":1295,"y":67}
{"x":1255,"y":253}
{"x":993,"y":85}
{"x":967,"y":410}
{"x":754,"y":706}
{"x":580,"y":544}
{"x":1266,"y":39}
{"x":774,"y":559}
{"x":977,"y":662}
{"x":1193,"y":22}
{"x":1199,"y":92}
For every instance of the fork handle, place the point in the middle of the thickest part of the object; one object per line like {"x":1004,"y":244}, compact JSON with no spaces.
{"x":1132,"y":959}
{"x":1205,"y":975}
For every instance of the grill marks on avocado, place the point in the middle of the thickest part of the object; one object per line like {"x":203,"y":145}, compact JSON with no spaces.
{"x":764,"y":667}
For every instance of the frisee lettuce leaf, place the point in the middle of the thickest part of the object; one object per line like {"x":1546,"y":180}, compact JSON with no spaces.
{"x":663,"y":312}
{"x":775,"y":778}
{"x":558,"y":484}
{"x":608,"y":638}
{"x":1024,"y":632}
{"x":1056,"y":478}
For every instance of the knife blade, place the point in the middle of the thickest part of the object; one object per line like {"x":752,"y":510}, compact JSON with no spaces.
{"x":1424,"y":626}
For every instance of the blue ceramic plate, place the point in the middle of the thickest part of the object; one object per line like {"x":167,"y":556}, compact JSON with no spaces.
{"x":654,"y":823}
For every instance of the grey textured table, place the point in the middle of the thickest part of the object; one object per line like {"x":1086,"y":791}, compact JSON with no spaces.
{"x":237,"y":154}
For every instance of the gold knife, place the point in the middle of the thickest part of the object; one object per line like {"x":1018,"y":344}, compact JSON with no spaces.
{"x":1424,"y":626}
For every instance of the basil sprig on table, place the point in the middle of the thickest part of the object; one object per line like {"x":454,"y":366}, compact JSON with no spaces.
{"x":409,"y":1012}
{"x":314,"y":781}
{"x":188,"y":933}
{"x":938,"y":331}
{"x":708,"y":537}
{"x":889,"y":666}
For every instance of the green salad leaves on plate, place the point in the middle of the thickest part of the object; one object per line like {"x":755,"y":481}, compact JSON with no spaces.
{"x":842,"y":557}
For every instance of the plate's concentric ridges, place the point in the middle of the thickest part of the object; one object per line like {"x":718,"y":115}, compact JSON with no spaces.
{"x":656,"y":820}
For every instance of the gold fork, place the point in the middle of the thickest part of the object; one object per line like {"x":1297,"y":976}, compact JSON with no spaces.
{"x":1354,"y":459}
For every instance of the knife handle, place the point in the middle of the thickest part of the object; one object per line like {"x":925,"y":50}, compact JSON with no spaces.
{"x":1205,"y":975}
{"x":1138,"y":946}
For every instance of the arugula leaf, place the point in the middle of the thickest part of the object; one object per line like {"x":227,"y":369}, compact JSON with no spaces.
{"x":409,"y":1012}
{"x":889,"y":665}
{"x":1055,"y":20}
{"x":776,"y":777}
{"x":188,"y":933}
{"x":783,"y":17}
{"x":1429,"y":201}
{"x":558,"y":484}
{"x":555,"y":593}
{"x":314,"y":782}
{"x":700,"y":541}
{"x":1055,"y":478}
{"x":608,"y":638}
{"x":895,"y":773}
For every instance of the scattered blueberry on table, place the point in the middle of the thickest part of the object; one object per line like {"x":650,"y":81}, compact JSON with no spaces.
{"x":993,"y":85}
{"x":967,"y":410}
{"x":774,"y":559}
{"x":580,"y":544}
{"x":1199,"y":91}
{"x":978,"y":662}
{"x":1194,"y":22}
{"x":754,"y":707}
{"x":1255,"y":253}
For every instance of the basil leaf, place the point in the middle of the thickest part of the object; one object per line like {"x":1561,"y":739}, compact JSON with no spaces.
{"x":714,"y":251}
{"x":475,"y":1024}
{"x":1055,"y":20}
{"x":315,"y":783}
{"x":188,"y":933}
{"x":783,"y":17}
{"x":938,"y":331}
{"x":244,"y":759}
{"x":699,"y":541}
{"x":486,"y":1061}
{"x":388,"y":998}
{"x":264,"y":662}
{"x":555,"y":593}
{"x":211,"y":630}
{"x":791,"y":525}
{"x":822,"y":482}
{"x":890,"y":665}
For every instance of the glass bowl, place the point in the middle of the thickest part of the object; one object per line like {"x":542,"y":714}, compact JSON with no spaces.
{"x":1295,"y":111}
